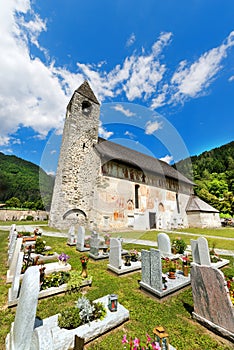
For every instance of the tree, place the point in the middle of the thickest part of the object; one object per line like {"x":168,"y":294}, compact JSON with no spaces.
{"x":13,"y":202}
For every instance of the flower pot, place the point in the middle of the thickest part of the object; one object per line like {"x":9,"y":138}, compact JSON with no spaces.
{"x":186,"y":270}
{"x":84,"y":272}
{"x":107,"y":241}
{"x":171,"y":275}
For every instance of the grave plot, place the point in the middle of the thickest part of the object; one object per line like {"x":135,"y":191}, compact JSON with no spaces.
{"x":203,"y":256}
{"x":50,"y":267}
{"x":98,"y":248}
{"x":64,"y":280}
{"x":212,"y":303}
{"x":49,"y":335}
{"x":154,"y":281}
{"x":117,"y":264}
{"x":164,"y":245}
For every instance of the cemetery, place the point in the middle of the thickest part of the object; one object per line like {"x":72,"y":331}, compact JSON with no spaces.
{"x":121,"y":295}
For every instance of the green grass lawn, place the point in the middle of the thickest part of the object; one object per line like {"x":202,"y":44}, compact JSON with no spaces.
{"x":146,"y":312}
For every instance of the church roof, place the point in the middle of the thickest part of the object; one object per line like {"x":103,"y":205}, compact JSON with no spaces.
{"x":86,"y":91}
{"x":112,"y":151}
{"x":197,"y":204}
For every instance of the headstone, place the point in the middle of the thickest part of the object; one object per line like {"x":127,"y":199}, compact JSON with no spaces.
{"x":200,"y":251}
{"x":145,"y":266}
{"x":212,"y":302}
{"x":80,"y":238}
{"x":71,"y":236}
{"x":12,"y":246}
{"x":12,"y":229}
{"x":195,"y":251}
{"x":14,"y":259}
{"x":21,"y":332}
{"x":164,"y":244}
{"x":115,"y":253}
{"x":203,"y":251}
{"x":94,"y":243}
{"x":16,"y":278}
{"x":156,"y":269}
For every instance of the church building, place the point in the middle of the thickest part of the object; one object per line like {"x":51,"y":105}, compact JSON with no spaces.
{"x":107,"y":186}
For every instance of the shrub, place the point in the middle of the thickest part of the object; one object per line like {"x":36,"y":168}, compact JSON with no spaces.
{"x":39,"y":245}
{"x":70,"y":318}
{"x":179,"y":245}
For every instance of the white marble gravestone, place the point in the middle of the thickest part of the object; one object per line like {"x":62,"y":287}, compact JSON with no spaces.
{"x":13,"y":291}
{"x":81,"y":239}
{"x":200,"y":251}
{"x":21,"y":332}
{"x":115,"y":259}
{"x":212,"y":303}
{"x":164,"y":244}
{"x":12,"y":243}
{"x":14,"y":259}
{"x":71,"y":236}
{"x":94,"y":243}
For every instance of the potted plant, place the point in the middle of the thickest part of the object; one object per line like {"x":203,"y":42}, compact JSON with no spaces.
{"x":172,"y":269}
{"x":134,"y":255}
{"x":178,"y":246}
{"x":107,"y":237}
{"x":63,"y":258}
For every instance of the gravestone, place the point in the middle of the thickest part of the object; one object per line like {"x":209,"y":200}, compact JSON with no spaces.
{"x":212,"y":302}
{"x":14,"y":259}
{"x":115,"y":259}
{"x":145,"y":266}
{"x":71,"y":236}
{"x":13,"y":291}
{"x":12,"y":229}
{"x":11,"y":247}
{"x":94,"y":243}
{"x":156,"y":269}
{"x":200,"y":251}
{"x":164,"y":244}
{"x":22,"y":329}
{"x":80,"y":238}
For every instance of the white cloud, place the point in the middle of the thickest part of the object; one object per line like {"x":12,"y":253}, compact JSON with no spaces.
{"x":231,"y":78}
{"x":103,"y":132}
{"x":131,"y":40}
{"x":167,"y":159}
{"x":151,"y":127}
{"x":121,"y":109}
{"x":53,"y":151}
{"x":129,"y":134}
{"x":193,"y":80}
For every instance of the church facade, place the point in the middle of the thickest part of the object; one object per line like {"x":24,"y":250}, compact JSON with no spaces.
{"x":107,"y":186}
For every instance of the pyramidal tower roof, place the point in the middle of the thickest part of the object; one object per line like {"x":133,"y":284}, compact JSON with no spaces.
{"x":86,"y":91}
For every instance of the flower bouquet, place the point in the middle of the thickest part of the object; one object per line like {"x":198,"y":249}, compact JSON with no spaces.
{"x":63,"y":258}
{"x":134,"y":255}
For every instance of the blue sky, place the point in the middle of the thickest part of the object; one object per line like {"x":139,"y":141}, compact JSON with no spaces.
{"x":162,"y":70}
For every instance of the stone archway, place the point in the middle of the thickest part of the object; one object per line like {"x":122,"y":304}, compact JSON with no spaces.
{"x":74,"y":211}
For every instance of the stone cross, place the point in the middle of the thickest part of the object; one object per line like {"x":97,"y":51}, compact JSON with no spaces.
{"x":80,"y":238}
{"x":200,"y":251}
{"x":164,"y":244}
{"x":71,"y":236}
{"x":212,"y":302}
{"x":21,"y":333}
{"x":94,"y":243}
{"x":115,"y":253}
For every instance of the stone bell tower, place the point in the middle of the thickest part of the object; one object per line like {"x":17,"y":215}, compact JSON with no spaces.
{"x":78,"y":165}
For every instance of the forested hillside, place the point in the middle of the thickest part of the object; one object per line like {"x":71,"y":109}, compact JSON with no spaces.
{"x":213,"y":172}
{"x":22,"y":183}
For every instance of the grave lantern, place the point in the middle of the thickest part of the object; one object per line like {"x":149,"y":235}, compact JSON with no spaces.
{"x":112,"y":302}
{"x":161,"y":337}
